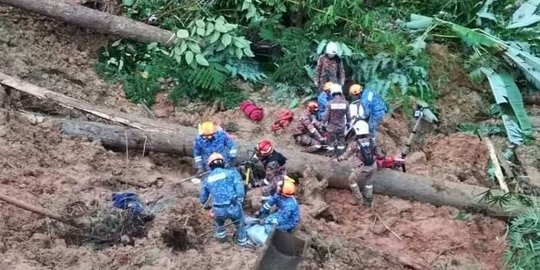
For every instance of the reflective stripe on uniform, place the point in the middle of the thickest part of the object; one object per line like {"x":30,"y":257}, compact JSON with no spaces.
{"x":216,"y":177}
{"x":353,"y":185}
{"x":341,"y":147}
{"x":233,"y":152}
{"x":369,"y":186}
{"x":198,"y":158}
{"x":243,"y":240}
{"x":370,"y":96}
{"x":267,"y":206}
{"x":330,"y":148}
{"x":338,"y":106}
{"x":221,"y":235}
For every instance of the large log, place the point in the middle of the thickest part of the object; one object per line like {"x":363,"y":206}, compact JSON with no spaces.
{"x":99,"y":21}
{"x":159,"y":136}
{"x":389,"y":182}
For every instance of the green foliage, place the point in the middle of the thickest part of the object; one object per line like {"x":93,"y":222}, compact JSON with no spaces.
{"x":524,"y":241}
{"x":248,"y":69}
{"x":483,"y":130}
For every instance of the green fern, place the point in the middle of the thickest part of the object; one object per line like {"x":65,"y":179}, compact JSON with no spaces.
{"x":213,"y":77}
{"x":248,"y":69}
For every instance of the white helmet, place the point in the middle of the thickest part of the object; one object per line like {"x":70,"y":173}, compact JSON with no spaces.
{"x":361,"y":128}
{"x":331,"y":49}
{"x":336,"y":89}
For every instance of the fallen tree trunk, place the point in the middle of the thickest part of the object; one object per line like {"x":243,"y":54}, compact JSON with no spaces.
{"x":99,"y":21}
{"x":389,"y":182}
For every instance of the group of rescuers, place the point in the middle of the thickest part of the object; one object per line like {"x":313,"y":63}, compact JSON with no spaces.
{"x":324,"y":124}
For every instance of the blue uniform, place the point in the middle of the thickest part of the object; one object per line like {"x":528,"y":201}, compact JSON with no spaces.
{"x":221,"y":143}
{"x":287,"y":216}
{"x":374,"y":109}
{"x":323,"y":100}
{"x":227,"y":191}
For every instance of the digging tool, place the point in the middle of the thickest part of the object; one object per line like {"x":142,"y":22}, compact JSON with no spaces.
{"x":192,"y":177}
{"x":39,"y":210}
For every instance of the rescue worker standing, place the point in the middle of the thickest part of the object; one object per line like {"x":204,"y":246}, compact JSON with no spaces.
{"x":336,"y":121}
{"x":366,"y":152}
{"x":373,"y":105}
{"x":329,"y":67}
{"x":211,"y":140}
{"x":287,"y":216}
{"x":323,"y":99}
{"x":227,"y":191}
{"x":308,"y":130}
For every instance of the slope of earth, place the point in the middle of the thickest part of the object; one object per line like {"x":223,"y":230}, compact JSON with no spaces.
{"x":45,"y":168}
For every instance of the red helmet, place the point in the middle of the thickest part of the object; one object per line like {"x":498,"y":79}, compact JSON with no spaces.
{"x":264,"y":147}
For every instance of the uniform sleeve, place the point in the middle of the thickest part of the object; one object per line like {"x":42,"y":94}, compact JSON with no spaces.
{"x":349,"y":151}
{"x":347,"y":115}
{"x":238,"y":184}
{"x":197,"y":154}
{"x":367,"y":102}
{"x":306,"y":121}
{"x":205,"y":192}
{"x":318,"y":70}
{"x":265,"y":208}
{"x":341,"y":72}
{"x":232,"y":146}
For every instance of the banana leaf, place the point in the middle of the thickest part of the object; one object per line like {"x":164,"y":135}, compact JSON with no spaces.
{"x":513,"y":132}
{"x":472,"y":38}
{"x":524,"y":15}
{"x":516,"y":102}
{"x":507,"y":94}
{"x":527,"y":63}
{"x":484,"y":11}
{"x":419,"y":22}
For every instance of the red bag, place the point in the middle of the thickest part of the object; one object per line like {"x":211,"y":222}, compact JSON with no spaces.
{"x":252,"y":111}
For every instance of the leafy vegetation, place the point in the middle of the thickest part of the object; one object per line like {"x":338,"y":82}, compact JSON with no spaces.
{"x":524,"y":241}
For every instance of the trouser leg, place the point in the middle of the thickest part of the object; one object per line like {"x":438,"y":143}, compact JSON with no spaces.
{"x":332,"y":139}
{"x":306,"y":140}
{"x":219,"y":228}
{"x":340,"y":140}
{"x":241,"y":233}
{"x":353,"y":183}
{"x":366,"y":186}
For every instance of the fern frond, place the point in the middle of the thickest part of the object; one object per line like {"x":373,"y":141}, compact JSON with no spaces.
{"x":213,"y":77}
{"x":248,"y":69}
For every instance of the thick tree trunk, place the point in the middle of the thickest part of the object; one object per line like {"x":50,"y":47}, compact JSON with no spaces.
{"x":393,"y":183}
{"x":155,"y":135}
{"x":99,"y":21}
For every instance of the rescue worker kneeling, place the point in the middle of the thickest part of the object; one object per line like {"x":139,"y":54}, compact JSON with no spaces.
{"x":366,"y":152}
{"x":308,"y":130}
{"x":287,"y":215}
{"x":227,"y":191}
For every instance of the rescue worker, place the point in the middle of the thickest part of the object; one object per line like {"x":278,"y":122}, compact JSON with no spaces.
{"x":308,"y":130}
{"x":336,"y":120}
{"x":329,"y":67}
{"x":274,"y":174}
{"x":226,"y":188}
{"x":210,"y":140}
{"x":287,"y":215}
{"x":265,"y":152}
{"x":323,"y":99}
{"x":373,"y":105}
{"x":367,"y":153}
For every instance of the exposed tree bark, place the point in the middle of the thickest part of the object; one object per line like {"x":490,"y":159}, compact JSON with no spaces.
{"x":96,"y":20}
{"x":158,"y":136}
{"x":406,"y":186}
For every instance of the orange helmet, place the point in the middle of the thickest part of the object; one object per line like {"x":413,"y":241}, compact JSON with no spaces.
{"x":355,"y":90}
{"x":327,"y":86}
{"x":264,"y":147}
{"x":286,"y":187}
{"x":215,"y":159}
{"x":313,"y":106}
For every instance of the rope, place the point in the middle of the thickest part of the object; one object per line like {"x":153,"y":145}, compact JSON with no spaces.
{"x":285,"y":118}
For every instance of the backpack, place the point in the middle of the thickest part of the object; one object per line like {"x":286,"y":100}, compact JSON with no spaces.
{"x":366,"y":153}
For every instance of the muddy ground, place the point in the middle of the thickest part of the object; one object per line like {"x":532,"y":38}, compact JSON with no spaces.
{"x":41,"y":166}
